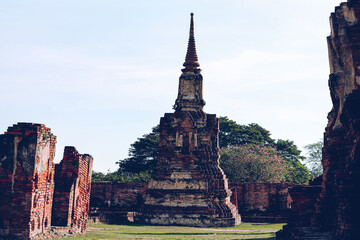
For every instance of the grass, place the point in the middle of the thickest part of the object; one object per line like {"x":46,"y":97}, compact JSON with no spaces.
{"x":264,"y":231}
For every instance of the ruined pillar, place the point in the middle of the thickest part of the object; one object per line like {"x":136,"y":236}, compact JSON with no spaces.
{"x":337,"y":209}
{"x":188,"y":187}
{"x":72,"y":190}
{"x":26,"y":180}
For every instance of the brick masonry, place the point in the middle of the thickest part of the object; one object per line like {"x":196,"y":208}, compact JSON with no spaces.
{"x":72,"y":190}
{"x":262,"y":202}
{"x":113,"y":202}
{"x":337,"y":208}
{"x":27,"y":175}
{"x":257,"y":202}
{"x":26,"y":180}
{"x":187,"y":186}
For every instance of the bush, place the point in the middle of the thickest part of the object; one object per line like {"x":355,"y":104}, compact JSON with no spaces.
{"x":253,"y":163}
{"x":121,"y":177}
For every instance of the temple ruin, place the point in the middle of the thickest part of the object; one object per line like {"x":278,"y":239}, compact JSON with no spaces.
{"x":26,"y":179}
{"x":188,"y":187}
{"x":335,"y":208}
{"x":72,"y":190}
{"x":120,"y":202}
{"x":27,"y":176}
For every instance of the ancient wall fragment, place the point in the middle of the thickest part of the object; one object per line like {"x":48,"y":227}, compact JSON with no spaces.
{"x":262,"y":202}
{"x":337,"y":210}
{"x":72,"y":190}
{"x":115,"y":202}
{"x":26,"y":180}
{"x":304,"y":199}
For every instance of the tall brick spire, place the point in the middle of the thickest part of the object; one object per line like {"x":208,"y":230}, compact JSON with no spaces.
{"x":191,"y":61}
{"x":190,"y":97}
{"x":187,"y":186}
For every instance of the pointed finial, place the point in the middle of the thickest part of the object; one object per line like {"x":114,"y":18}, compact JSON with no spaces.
{"x":191,"y":60}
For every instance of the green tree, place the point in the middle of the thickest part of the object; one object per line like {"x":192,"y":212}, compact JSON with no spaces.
{"x":297,"y":172}
{"x":121,"y":177}
{"x":97,"y":176}
{"x":289,"y":150}
{"x":253,"y":163}
{"x":314,"y":157}
{"x":142,"y":153}
{"x":233,"y":134}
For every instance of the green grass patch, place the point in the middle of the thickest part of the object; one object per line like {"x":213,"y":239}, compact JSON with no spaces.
{"x":265,"y":231}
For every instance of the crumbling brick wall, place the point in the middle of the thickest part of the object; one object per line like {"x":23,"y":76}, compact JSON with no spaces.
{"x":303,"y":205}
{"x":304,"y":199}
{"x":111,"y":202}
{"x":72,"y":190}
{"x":260,"y":202}
{"x":26,"y":180}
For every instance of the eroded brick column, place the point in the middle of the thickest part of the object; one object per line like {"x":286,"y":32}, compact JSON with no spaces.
{"x":72,"y":190}
{"x":337,"y":209}
{"x":26,"y":180}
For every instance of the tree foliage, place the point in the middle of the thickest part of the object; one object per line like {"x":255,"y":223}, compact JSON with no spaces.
{"x":253,"y":163}
{"x":297,"y":172}
{"x":314,"y":157}
{"x":233,"y":134}
{"x":142,"y":153}
{"x":121,"y":177}
{"x":289,"y":150}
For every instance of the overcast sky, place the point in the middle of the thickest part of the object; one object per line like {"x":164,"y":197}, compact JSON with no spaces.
{"x":101,"y":73}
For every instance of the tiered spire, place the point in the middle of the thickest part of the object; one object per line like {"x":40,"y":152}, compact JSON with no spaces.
{"x":191,"y":61}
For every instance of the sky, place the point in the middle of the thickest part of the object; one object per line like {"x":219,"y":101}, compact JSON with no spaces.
{"x":101,"y":73}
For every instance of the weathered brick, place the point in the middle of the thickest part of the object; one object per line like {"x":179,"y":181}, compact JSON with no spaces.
{"x":257,"y":202}
{"x":72,"y":190}
{"x":336,"y":208}
{"x":27,"y":180}
{"x":188,"y":186}
{"x":113,"y":202}
{"x":27,"y":183}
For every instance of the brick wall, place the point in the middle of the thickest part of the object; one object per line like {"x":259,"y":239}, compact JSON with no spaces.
{"x":26,"y":179}
{"x":303,"y":205}
{"x":111,"y":202}
{"x":262,"y":202}
{"x":27,"y":184}
{"x":72,"y":190}
{"x":259,"y":202}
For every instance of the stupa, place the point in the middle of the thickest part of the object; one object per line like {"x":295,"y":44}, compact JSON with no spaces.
{"x":188,"y":187}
